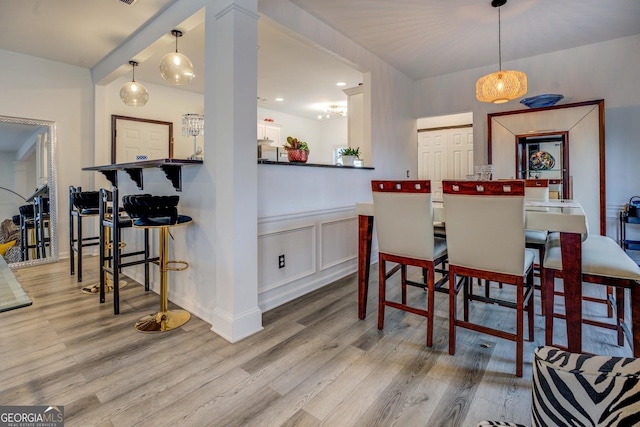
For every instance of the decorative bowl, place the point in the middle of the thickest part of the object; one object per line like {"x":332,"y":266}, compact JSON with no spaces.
{"x":545,"y":100}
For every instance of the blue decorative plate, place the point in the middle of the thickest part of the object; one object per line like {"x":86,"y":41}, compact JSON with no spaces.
{"x":545,"y":100}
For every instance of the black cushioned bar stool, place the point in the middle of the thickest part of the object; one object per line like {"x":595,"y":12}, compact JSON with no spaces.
{"x":28,"y":235}
{"x":82,"y":204}
{"x":159,"y":212}
{"x":112,"y":257}
{"x":41,"y":224}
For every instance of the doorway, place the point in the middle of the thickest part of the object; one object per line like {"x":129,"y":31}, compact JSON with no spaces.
{"x":446,"y":151}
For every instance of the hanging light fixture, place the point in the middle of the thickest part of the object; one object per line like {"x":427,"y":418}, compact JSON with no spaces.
{"x":503,"y":85}
{"x":333,"y":111}
{"x":133,"y":93}
{"x":175,"y":67}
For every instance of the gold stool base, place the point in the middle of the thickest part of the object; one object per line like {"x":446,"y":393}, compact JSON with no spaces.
{"x":94,"y":289}
{"x":162,"y":321}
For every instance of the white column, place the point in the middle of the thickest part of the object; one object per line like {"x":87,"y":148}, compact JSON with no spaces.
{"x":230,"y":144}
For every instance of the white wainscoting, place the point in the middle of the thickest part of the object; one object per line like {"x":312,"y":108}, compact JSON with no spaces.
{"x":319,"y":248}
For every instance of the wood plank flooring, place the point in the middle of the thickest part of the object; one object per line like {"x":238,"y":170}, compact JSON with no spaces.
{"x":315,"y":363}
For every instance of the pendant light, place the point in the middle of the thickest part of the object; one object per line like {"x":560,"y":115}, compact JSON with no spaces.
{"x":503,"y":85}
{"x":175,"y":67}
{"x":133,"y":93}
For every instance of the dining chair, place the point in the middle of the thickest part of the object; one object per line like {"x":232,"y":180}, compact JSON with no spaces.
{"x":575,"y":389}
{"x":604,"y":263}
{"x":486,"y":240}
{"x":537,"y":190}
{"x":404,"y":224}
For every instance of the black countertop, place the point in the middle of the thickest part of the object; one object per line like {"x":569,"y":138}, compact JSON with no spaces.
{"x":172,"y":168}
{"x":311,"y":165}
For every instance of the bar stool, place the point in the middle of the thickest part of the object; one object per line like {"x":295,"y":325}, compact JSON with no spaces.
{"x":111,"y":249}
{"x":82,"y":204}
{"x":42,"y":225}
{"x":27,"y":240}
{"x":159,"y":212}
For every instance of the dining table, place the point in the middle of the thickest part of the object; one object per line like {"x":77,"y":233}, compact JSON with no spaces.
{"x":557,"y":215}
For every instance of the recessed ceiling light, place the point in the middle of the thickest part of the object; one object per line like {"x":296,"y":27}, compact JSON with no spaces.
{"x":279,"y":99}
{"x":341,"y":84}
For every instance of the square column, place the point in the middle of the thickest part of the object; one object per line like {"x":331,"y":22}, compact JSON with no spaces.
{"x":231,"y":43}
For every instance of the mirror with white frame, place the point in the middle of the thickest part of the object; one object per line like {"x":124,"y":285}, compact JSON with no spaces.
{"x":27,"y":164}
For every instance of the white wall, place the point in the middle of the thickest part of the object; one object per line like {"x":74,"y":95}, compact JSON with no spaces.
{"x":45,"y":90}
{"x":605,"y":70}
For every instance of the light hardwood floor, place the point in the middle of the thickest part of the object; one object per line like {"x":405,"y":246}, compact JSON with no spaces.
{"x":313,"y":364}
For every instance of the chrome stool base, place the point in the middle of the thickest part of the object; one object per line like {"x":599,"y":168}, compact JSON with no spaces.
{"x":162,"y":321}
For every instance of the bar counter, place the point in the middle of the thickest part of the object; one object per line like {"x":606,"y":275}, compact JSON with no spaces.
{"x":172,"y":168}
{"x":312,"y":165}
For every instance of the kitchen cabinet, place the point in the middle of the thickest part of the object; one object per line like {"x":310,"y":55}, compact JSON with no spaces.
{"x":270,"y":131}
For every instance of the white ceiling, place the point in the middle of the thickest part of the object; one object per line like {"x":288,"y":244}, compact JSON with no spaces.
{"x":421,"y":38}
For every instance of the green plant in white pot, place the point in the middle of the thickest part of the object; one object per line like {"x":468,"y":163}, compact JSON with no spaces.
{"x":349,"y":155}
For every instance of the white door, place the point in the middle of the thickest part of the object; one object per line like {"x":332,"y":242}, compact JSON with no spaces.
{"x":445,"y":154}
{"x":460,"y":153}
{"x":432,"y":159}
{"x":141,"y":139}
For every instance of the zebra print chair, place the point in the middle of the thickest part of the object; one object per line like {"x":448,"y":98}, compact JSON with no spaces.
{"x":582,"y":390}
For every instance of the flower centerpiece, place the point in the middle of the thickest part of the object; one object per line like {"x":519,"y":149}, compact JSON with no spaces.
{"x":297,"y":151}
{"x":349,"y":155}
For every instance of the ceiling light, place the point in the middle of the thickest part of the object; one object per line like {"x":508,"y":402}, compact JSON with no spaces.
{"x":503,"y":85}
{"x":279,"y":99}
{"x":133,"y":93}
{"x":175,"y":67}
{"x":341,"y":84}
{"x":335,"y":111}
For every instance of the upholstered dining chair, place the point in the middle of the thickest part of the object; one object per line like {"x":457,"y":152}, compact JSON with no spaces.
{"x":537,"y":190}
{"x":572,"y":389}
{"x":604,"y":263}
{"x":485,"y":240}
{"x":404,"y":223}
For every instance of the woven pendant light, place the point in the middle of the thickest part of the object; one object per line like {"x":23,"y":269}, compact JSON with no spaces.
{"x":503,"y":85}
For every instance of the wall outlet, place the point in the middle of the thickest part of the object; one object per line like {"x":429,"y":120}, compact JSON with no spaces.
{"x":281,"y":261}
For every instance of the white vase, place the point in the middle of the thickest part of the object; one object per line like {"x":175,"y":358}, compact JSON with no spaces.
{"x":348,"y":160}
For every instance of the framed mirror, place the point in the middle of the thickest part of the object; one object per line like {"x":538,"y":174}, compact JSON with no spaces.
{"x":579,"y":163}
{"x":28,"y":175}
{"x":135,"y":139}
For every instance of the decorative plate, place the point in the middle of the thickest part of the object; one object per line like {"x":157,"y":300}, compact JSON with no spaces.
{"x":541,"y":161}
{"x":545,"y":100}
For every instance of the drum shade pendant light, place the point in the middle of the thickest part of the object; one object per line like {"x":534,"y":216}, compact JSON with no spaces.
{"x":133,"y":93}
{"x":175,"y":67}
{"x":503,"y":85}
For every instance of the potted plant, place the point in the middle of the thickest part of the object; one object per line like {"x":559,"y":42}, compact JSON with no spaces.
{"x":297,"y":151}
{"x":349,"y":155}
